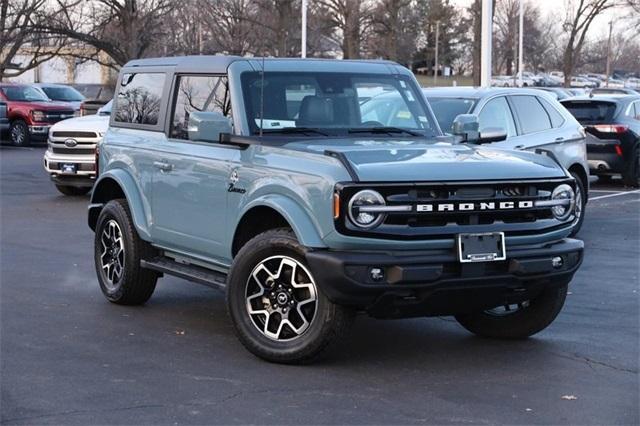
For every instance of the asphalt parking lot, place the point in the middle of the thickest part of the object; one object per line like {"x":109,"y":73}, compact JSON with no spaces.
{"x":70,"y":357}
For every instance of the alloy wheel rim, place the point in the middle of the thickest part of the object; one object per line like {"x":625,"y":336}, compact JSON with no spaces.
{"x":578,"y":210}
{"x":281,"y":298}
{"x":112,"y":254}
{"x":17,"y":134}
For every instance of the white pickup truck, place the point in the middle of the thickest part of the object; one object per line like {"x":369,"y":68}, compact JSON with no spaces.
{"x":70,"y":158}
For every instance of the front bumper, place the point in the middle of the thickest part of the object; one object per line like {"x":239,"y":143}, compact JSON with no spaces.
{"x":434,"y":282}
{"x":85,"y":169}
{"x":39,"y":130}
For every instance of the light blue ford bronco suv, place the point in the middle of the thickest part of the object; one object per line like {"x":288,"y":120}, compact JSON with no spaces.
{"x":283,"y":183}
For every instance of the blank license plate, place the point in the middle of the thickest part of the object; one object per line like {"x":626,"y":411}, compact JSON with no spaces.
{"x":486,"y":247}
{"x":68,"y":168}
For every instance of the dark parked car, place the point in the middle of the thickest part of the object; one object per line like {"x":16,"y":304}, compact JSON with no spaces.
{"x":532,"y":119}
{"x":613,"y":126}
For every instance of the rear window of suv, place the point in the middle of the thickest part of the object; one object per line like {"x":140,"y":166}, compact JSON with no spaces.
{"x":139,"y":98}
{"x":591,"y":112}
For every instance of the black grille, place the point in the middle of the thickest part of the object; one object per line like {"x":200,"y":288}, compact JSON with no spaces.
{"x":74,"y":151}
{"x":74,"y":134}
{"x":82,"y":167}
{"x":415,"y":224}
{"x":55,"y":116}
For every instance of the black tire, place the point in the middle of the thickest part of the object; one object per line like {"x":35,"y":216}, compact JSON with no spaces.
{"x":73,"y":190}
{"x":583,"y":204}
{"x":631,"y":175}
{"x":328,"y":323}
{"x":521,"y":323}
{"x":134,"y":285}
{"x":19,"y":133}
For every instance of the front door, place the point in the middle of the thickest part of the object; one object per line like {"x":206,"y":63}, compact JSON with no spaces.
{"x":191,"y":178}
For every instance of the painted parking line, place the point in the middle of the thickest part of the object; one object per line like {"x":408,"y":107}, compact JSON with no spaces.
{"x":613,"y":195}
{"x":604,"y":190}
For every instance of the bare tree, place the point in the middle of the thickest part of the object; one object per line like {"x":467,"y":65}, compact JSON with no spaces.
{"x":123,"y":29}
{"x":351,"y":20}
{"x":19,"y":37}
{"x":579,"y":19}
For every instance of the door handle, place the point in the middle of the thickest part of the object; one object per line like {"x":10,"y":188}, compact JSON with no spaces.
{"x":518,"y":147}
{"x":559,"y":139}
{"x":164,"y":167}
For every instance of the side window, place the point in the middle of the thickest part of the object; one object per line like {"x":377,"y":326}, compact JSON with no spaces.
{"x":554,"y":115}
{"x":198,"y":93}
{"x":637,"y":106}
{"x":633,"y":111}
{"x":497,"y":113}
{"x":533,"y":117}
{"x":139,"y":98}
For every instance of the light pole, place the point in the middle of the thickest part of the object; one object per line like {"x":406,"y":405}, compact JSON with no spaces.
{"x":485,"y":43}
{"x":435,"y":65}
{"x":303,"y":48}
{"x":520,"y":53}
{"x":609,"y":54}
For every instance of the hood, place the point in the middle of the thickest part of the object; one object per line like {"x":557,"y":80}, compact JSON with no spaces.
{"x":88,"y":123}
{"x":398,"y":160}
{"x":43,"y":105}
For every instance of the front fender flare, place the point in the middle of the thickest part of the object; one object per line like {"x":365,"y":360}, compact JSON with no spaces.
{"x":299,"y":220}
{"x":140,"y":210}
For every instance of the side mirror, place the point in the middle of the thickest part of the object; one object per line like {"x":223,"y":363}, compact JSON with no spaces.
{"x":207,"y":126}
{"x":492,"y":134}
{"x":467,"y":127}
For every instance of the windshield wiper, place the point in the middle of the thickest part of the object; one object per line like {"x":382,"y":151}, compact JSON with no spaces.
{"x":295,"y":130}
{"x":388,"y":130}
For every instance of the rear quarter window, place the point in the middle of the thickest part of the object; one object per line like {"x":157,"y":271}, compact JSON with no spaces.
{"x":533,"y":117}
{"x":139,"y":99}
{"x":556,"y":118}
{"x":591,"y":112}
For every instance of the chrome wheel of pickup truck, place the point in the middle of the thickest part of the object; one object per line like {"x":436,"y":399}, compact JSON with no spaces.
{"x":112,"y":257}
{"x":19,"y":133}
{"x":278,"y":311}
{"x":281,"y":298}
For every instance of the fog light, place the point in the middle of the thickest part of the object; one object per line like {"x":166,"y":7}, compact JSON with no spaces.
{"x":557,"y":262}
{"x":376,"y":274}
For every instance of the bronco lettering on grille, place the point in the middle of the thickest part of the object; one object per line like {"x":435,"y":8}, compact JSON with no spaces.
{"x":462,"y":207}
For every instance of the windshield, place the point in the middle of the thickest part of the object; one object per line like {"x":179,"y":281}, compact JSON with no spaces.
{"x":23,"y":93}
{"x":335,"y":104}
{"x":447,"y":109}
{"x":65,"y":94}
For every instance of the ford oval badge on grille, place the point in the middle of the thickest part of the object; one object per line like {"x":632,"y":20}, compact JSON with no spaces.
{"x":70,"y":143}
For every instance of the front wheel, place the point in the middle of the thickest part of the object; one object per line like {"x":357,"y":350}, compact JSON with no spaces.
{"x":278,"y":311}
{"x":117,"y":253}
{"x":19,"y":133}
{"x":517,"y":321}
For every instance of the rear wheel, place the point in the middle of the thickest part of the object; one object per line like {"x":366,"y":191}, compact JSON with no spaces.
{"x":517,"y":321}
{"x":19,"y":133}
{"x":72,"y":190}
{"x":631,"y":176}
{"x":278,"y":310}
{"x":117,"y":254}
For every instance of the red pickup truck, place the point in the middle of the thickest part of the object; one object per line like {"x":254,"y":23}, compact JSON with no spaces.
{"x":30,"y":113}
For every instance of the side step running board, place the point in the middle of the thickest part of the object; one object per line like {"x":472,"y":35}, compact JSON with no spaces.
{"x":193,"y":273}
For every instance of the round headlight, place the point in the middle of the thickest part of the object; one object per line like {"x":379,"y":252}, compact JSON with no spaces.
{"x":563,"y":192}
{"x":362,"y":218}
